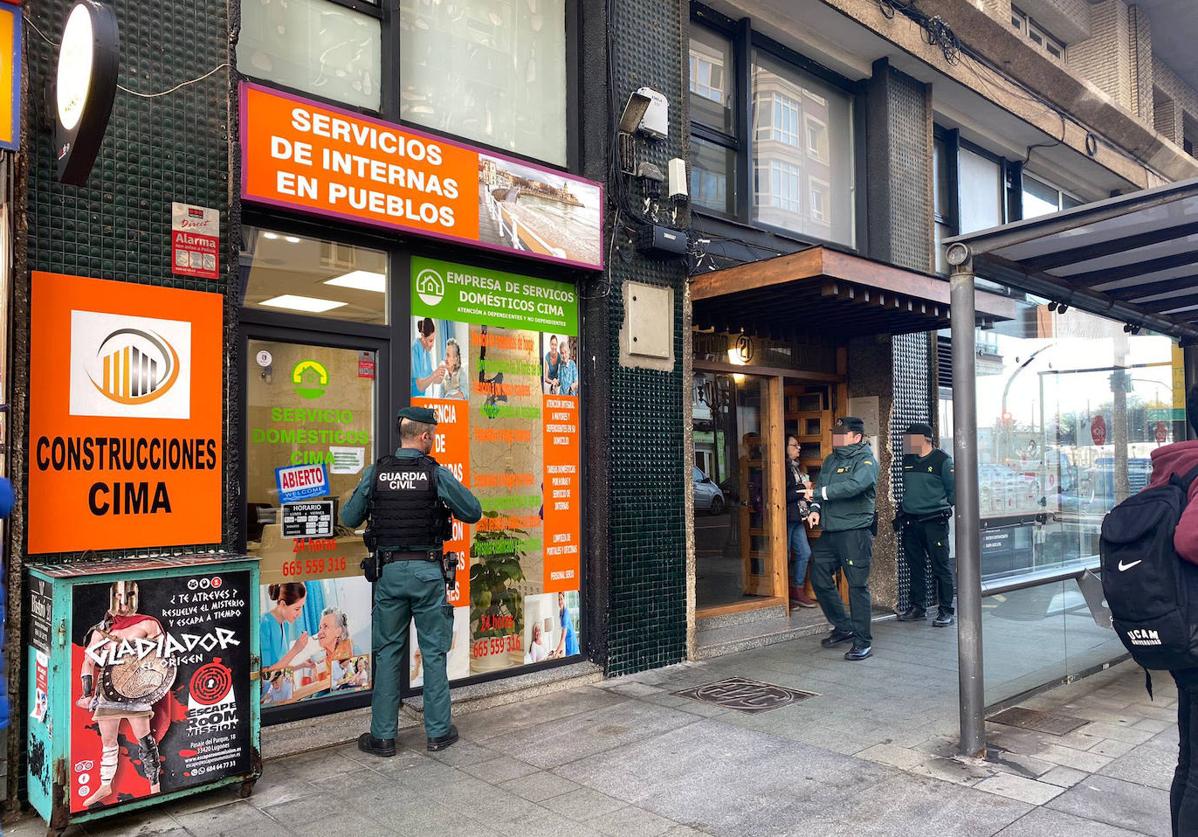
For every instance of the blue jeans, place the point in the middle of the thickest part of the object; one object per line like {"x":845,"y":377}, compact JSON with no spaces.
{"x":799,"y":549}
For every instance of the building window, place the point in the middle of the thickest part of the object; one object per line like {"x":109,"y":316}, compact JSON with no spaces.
{"x":316,"y":46}
{"x":1041,"y":198}
{"x":711,"y":81}
{"x":490,"y":72}
{"x":293,"y":274}
{"x":1037,"y":35}
{"x":713,"y":176}
{"x":785,"y":97}
{"x":945,"y":222}
{"x":980,"y":190}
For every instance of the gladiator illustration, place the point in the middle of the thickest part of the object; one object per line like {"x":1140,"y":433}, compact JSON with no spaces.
{"x":122,"y":684}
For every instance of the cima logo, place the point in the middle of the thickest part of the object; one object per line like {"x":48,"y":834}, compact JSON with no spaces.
{"x":310,"y":378}
{"x":430,"y":287}
{"x":135,"y":367}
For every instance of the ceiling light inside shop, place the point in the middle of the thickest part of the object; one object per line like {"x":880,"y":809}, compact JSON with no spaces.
{"x":302,"y":303}
{"x":292,"y":239}
{"x":362,"y":280}
{"x":269,"y":236}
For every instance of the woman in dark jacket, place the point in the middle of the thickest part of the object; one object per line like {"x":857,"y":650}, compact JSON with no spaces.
{"x":796,"y":532}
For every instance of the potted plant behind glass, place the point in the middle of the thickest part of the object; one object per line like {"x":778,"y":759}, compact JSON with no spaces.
{"x":496,"y":606}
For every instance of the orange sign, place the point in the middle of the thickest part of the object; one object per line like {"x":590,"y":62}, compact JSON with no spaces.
{"x":125,"y":415}
{"x":317,"y":158}
{"x":451,"y":448}
{"x":561,"y":493}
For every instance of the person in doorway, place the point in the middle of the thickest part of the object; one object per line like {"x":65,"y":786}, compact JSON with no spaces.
{"x":406,"y":497}
{"x":797,"y":509}
{"x":553,"y":360}
{"x":929,"y":492}
{"x":843,"y":500}
{"x":424,"y":372}
{"x":1178,"y":460}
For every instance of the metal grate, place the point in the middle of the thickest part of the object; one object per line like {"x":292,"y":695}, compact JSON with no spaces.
{"x":1034,"y":719}
{"x":745,"y":695}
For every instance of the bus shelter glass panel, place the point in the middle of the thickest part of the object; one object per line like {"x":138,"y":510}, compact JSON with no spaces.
{"x":1070,"y":408}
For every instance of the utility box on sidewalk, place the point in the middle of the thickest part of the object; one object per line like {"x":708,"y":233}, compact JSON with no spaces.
{"x":142,"y":682}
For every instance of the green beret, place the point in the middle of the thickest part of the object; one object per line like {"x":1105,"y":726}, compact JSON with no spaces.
{"x":421,"y":414}
{"x":849,"y":424}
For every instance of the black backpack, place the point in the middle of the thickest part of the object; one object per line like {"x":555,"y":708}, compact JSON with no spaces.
{"x":1151,"y":591}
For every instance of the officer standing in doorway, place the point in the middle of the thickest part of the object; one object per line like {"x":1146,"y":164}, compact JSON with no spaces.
{"x":843,"y":499}
{"x":408,"y":498}
{"x":929,"y":489}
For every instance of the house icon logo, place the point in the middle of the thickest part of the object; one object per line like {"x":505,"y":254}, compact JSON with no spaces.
{"x":310,"y":379}
{"x":430,"y":287}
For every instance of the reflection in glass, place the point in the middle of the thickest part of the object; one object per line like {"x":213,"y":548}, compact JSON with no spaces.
{"x":296,"y":274}
{"x":713,"y":176}
{"x":733,"y":541}
{"x":312,"y":45}
{"x":802,"y":152}
{"x":711,"y":80}
{"x":490,"y":72}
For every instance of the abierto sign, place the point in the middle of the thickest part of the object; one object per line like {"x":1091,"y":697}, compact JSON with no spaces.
{"x":324,"y":160}
{"x":125,"y":416}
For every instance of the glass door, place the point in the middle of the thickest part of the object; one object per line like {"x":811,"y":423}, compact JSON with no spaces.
{"x":311,"y":417}
{"x":737,"y":445}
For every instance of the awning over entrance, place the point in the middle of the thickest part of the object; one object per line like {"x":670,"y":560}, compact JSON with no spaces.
{"x":823,"y":291}
{"x":1133,"y":258}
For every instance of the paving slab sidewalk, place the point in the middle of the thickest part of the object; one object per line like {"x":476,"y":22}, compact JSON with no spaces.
{"x":871,"y":752}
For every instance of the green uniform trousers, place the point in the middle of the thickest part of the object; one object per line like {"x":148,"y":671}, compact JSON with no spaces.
{"x":410,"y":590}
{"x":852,"y":552}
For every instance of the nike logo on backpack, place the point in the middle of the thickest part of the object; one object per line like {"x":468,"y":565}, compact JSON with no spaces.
{"x":1125,"y":567}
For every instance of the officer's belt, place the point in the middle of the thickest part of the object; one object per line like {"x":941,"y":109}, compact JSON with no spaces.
{"x":390,"y":557}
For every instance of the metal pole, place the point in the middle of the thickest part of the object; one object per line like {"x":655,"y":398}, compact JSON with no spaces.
{"x":968,"y":541}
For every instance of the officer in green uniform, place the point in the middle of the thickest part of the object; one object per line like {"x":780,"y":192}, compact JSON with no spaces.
{"x":929,"y":489}
{"x":406,"y":496}
{"x":843,"y":499}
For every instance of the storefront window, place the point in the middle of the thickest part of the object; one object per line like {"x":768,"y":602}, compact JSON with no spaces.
{"x":490,"y":72}
{"x":496,"y":356}
{"x":311,"y":417}
{"x":313,"y":45}
{"x":803,"y":145}
{"x":296,"y":274}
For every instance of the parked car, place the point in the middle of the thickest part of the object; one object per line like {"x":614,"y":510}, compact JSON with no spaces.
{"x":708,"y":496}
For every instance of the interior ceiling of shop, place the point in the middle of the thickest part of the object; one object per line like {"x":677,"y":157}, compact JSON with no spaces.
{"x":823,"y":292}
{"x":1139,"y":251}
{"x":1174,"y":33}
{"x":825,"y":35}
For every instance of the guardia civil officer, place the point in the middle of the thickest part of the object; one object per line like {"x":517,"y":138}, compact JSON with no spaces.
{"x":843,"y":500}
{"x":406,"y":497}
{"x":929,"y":488}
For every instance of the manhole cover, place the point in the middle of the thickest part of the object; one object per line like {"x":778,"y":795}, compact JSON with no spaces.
{"x":1034,"y":719}
{"x":745,"y":695}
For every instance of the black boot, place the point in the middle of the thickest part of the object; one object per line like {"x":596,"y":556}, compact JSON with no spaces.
{"x":859,"y":651}
{"x":446,"y":740}
{"x":943,"y":619}
{"x":384,"y":747}
{"x":836,"y":637}
{"x":913,"y":614}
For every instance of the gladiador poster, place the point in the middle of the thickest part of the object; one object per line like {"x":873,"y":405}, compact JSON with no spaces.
{"x":318,"y":158}
{"x":495,"y":355}
{"x":166,"y":667}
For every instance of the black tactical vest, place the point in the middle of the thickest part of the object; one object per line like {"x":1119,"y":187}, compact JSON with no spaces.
{"x":405,"y":511}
